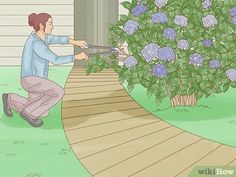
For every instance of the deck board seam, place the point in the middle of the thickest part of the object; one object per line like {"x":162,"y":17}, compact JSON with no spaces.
{"x":127,"y":129}
{"x":126,"y":142}
{"x":84,"y":105}
{"x":93,"y":77}
{"x":95,"y":92}
{"x":95,"y":98}
{"x":166,"y":157}
{"x":230,"y":162}
{"x":92,"y":86}
{"x":102,"y":113}
{"x":106,"y":122}
{"x":199,"y":160}
{"x":87,"y":81}
{"x":136,"y":154}
{"x":85,"y":117}
{"x":100,"y":104}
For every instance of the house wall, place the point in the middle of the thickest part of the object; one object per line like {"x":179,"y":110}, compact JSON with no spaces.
{"x":14,"y":28}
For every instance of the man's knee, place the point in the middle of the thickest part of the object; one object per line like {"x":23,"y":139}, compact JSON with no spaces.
{"x":60,"y":92}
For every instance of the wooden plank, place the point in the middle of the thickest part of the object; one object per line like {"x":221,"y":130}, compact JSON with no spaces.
{"x":82,"y":71}
{"x":93,"y":89}
{"x":27,"y":9}
{"x":21,"y":30}
{"x":160,"y":149}
{"x":93,"y":76}
{"x":95,"y":95}
{"x":88,"y":133}
{"x":161,"y":144}
{"x":232,"y":163}
{"x":130,"y":149}
{"x":37,"y":2}
{"x":79,"y":69}
{"x":95,"y":109}
{"x":92,"y":120}
{"x":88,"y":84}
{"x":23,"y":20}
{"x":71,"y":123}
{"x":91,"y":80}
{"x":221,"y":156}
{"x":66,"y":104}
{"x":83,"y":123}
{"x":186,"y":156}
{"x":98,"y":145}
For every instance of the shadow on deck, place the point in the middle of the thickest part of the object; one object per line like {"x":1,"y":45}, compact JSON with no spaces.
{"x":113,"y":136}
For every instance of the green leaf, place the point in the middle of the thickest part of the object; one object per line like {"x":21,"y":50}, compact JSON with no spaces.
{"x":126,"y":4}
{"x":191,"y":91}
{"x":150,"y":92}
{"x":226,"y":87}
{"x":122,"y":78}
{"x":158,"y":100}
{"x":130,"y":87}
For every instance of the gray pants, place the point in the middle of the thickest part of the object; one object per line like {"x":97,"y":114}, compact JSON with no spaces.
{"x":42,"y":95}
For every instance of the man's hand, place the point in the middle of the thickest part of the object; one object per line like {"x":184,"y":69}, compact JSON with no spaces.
{"x":80,"y":43}
{"x":81,"y":56}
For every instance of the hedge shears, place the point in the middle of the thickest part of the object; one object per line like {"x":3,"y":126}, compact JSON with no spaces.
{"x":108,"y":51}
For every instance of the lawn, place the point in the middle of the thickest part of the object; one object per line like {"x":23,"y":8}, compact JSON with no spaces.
{"x":213,"y":118}
{"x":35,"y":152}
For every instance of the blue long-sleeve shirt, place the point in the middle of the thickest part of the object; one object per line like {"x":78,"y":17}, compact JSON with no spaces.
{"x":36,"y":55}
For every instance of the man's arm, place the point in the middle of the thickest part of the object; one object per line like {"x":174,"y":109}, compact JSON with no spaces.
{"x":79,"y":43}
{"x":44,"y":52}
{"x":54,"y":39}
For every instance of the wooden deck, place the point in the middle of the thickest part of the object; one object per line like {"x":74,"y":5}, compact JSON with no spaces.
{"x":113,"y":136}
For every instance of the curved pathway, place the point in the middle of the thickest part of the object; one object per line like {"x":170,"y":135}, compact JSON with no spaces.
{"x":113,"y":136}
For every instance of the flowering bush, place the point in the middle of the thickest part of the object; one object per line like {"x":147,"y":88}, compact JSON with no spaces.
{"x":178,"y":49}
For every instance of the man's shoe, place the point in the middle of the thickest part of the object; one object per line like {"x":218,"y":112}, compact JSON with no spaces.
{"x":33,"y":122}
{"x":6,"y":106}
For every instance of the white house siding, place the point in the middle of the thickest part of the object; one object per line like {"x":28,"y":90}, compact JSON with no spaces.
{"x":122,"y":10}
{"x":14,"y":28}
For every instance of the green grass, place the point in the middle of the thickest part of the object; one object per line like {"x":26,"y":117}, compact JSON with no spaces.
{"x":213,"y":118}
{"x":35,"y":152}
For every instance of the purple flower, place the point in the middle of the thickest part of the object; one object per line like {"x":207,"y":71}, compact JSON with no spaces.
{"x":196,"y":60}
{"x":130,"y":61}
{"x":170,"y":33}
{"x":215,"y":64}
{"x":181,"y":20}
{"x":159,"y":18}
{"x":206,"y":4}
{"x":139,"y":10}
{"x":231,"y":74}
{"x":150,"y":52}
{"x":183,"y":44}
{"x":160,"y":3}
{"x":130,"y":27}
{"x":166,"y":54}
{"x":233,"y":20}
{"x":233,"y":12}
{"x":159,"y":70}
{"x":207,"y":42}
{"x":209,"y":21}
